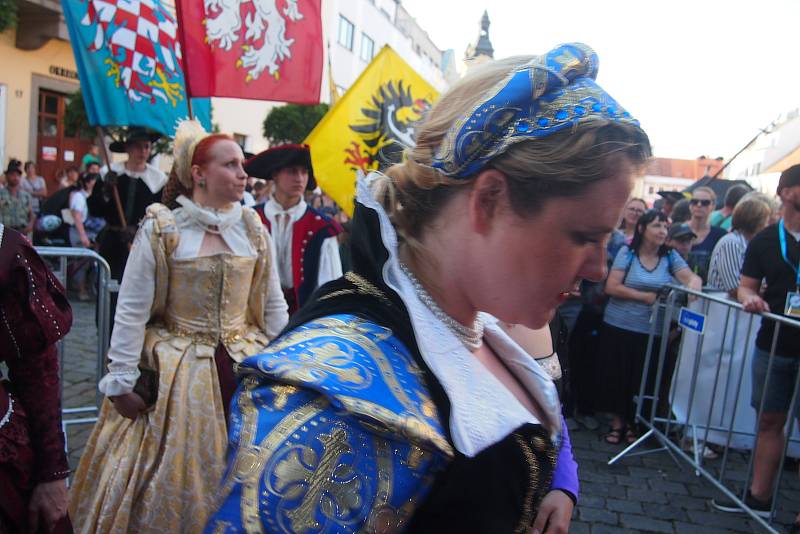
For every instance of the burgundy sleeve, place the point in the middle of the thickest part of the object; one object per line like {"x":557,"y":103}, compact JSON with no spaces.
{"x":34,"y":315}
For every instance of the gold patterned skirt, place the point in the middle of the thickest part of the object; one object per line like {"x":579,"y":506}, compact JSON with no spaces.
{"x":161,"y":472}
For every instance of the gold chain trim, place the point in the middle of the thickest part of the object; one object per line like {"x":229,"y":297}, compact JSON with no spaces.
{"x":207,"y":338}
{"x":363,"y":286}
{"x":533,"y":480}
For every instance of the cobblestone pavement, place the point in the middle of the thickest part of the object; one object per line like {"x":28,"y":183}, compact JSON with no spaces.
{"x":648,"y":493}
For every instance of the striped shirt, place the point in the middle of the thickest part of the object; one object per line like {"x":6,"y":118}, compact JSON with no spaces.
{"x":634,"y":315}
{"x":726,"y":262}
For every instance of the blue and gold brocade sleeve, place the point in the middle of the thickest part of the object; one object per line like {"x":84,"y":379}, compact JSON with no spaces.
{"x":311,"y":455}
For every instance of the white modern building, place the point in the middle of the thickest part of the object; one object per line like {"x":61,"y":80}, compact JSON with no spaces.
{"x":648,"y":186}
{"x":354,"y":31}
{"x":773,"y":150}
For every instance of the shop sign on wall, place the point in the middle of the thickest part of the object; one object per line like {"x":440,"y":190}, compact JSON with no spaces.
{"x":49,"y":153}
{"x":63,"y":73}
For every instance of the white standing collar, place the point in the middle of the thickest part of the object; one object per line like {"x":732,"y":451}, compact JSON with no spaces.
{"x":153,"y":178}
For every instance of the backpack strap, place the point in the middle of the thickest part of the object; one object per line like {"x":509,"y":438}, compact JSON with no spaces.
{"x":631,"y":257}
{"x":164,"y":240}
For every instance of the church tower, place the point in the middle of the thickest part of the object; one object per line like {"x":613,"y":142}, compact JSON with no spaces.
{"x":481,"y":50}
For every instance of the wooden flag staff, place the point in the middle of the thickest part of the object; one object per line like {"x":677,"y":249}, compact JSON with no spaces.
{"x":107,"y":158}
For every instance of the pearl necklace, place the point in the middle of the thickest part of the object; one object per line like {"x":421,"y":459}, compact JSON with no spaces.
{"x":470,"y":337}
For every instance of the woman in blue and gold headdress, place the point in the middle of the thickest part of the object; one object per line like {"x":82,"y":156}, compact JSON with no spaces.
{"x":394,"y":401}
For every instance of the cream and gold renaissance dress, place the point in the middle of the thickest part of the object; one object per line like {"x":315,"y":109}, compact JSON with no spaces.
{"x":190,"y":318}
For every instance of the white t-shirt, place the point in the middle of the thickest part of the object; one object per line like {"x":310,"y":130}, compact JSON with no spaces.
{"x":77,"y":202}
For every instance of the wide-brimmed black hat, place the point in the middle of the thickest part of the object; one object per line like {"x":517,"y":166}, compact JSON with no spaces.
{"x":671,"y":196}
{"x":134,"y":133}
{"x":262,"y":165}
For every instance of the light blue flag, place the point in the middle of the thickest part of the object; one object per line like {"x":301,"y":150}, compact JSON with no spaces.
{"x":129,"y":62}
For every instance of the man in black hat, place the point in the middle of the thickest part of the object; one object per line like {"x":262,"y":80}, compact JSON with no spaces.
{"x":670,"y":198}
{"x":138,"y":184}
{"x":16,"y":204}
{"x":307,"y":251}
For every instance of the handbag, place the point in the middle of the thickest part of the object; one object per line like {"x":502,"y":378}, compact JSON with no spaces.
{"x":147,"y":386}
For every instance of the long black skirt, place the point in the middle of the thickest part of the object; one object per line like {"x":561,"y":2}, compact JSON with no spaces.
{"x":622,"y":359}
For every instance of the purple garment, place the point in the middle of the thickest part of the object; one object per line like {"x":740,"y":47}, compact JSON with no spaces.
{"x":565,"y":476}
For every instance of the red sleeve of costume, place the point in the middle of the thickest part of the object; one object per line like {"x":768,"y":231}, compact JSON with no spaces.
{"x":34,"y":315}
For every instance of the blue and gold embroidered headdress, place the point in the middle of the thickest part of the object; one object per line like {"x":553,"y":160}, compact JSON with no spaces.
{"x":550,"y":93}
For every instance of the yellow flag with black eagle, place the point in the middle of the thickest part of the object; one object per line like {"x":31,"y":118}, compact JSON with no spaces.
{"x":369,"y":126}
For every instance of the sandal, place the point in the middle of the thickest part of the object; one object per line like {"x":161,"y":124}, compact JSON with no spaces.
{"x":614,"y":437}
{"x":631,"y":435}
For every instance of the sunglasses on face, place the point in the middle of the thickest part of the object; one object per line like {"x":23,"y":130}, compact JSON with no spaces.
{"x":637,"y":211}
{"x":698,"y":202}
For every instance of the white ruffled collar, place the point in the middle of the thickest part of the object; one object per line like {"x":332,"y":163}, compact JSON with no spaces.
{"x":206,"y":217}
{"x":482,"y":410}
{"x":152,"y":177}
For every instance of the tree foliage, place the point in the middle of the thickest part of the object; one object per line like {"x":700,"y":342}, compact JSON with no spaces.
{"x":8,"y":14}
{"x":76,"y":124}
{"x":292,"y":123}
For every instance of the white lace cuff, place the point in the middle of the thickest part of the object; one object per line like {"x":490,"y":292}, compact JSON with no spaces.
{"x":118,"y":382}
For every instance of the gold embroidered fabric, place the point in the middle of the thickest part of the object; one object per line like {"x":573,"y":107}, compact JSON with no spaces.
{"x":161,"y":472}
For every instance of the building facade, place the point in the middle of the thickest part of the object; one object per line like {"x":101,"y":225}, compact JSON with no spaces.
{"x":37,"y":74}
{"x":776,"y":148}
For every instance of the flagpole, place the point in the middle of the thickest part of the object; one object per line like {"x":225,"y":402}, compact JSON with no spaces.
{"x":107,"y":158}
{"x":182,"y":40}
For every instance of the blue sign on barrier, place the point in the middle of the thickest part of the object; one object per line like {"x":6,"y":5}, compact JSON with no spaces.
{"x":692,"y":320}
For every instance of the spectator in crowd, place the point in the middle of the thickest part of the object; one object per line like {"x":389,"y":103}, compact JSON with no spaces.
{"x":582,"y":315}
{"x":83,"y":229}
{"x":680,"y":238}
{"x":93,"y":168}
{"x":261,"y":191}
{"x":35,"y":185}
{"x":723,"y":217}
{"x":248,"y":199}
{"x":634,"y":209}
{"x":681,"y":211}
{"x":70,"y":177}
{"x":749,"y":217}
{"x":16,"y":204}
{"x":772,"y":256}
{"x":669,"y":199}
{"x":702,"y":202}
{"x":639,"y":272}
{"x":93,"y":156}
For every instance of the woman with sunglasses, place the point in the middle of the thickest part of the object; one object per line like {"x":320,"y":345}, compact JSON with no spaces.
{"x":701,"y":205}
{"x":639,"y":272}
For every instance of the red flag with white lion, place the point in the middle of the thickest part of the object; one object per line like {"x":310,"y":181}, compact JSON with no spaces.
{"x":257,"y":49}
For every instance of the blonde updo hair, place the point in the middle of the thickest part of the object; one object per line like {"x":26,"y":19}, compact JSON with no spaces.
{"x":560,"y":165}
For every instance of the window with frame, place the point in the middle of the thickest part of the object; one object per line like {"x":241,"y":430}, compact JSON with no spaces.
{"x":346,"y":30}
{"x":241,"y":140}
{"x":367,"y":48}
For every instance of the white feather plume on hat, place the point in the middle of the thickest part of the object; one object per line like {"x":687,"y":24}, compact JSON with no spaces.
{"x":187,"y":136}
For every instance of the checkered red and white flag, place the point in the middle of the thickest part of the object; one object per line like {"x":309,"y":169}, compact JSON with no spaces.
{"x":256,"y":49}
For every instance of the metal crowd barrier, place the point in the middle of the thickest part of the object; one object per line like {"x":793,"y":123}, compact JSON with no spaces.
{"x":104,"y":286}
{"x":708,"y":406}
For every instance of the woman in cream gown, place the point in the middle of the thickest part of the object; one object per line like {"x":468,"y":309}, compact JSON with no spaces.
{"x":200,"y":292}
